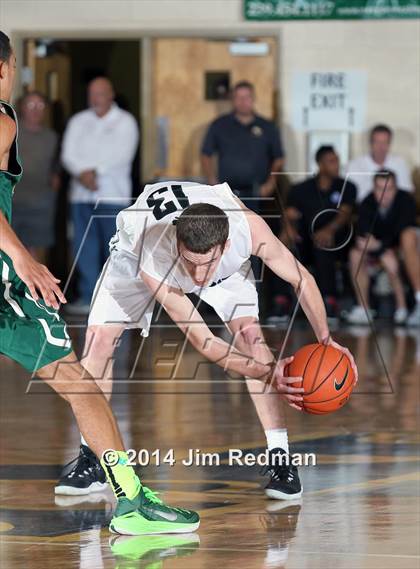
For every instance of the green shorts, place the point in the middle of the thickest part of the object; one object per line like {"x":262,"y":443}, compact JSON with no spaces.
{"x":31,"y":333}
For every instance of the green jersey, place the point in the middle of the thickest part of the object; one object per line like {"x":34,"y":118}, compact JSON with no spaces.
{"x":31,"y":333}
{"x":10,"y":177}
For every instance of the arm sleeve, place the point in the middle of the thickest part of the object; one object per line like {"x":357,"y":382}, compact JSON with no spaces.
{"x":349,"y":194}
{"x":121,"y":152}
{"x":210,"y":146}
{"x":276,"y":145}
{"x":72,"y":158}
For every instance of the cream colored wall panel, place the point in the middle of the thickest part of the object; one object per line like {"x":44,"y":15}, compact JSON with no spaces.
{"x":179,"y":66}
{"x":389,"y":51}
{"x":117,"y":14}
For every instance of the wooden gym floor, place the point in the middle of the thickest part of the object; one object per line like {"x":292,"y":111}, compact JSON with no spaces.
{"x":360,"y":506}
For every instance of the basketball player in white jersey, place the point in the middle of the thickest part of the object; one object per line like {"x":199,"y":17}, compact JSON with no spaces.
{"x":180,"y":238}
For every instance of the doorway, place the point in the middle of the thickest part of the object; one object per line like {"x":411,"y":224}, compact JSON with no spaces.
{"x":61,"y":70}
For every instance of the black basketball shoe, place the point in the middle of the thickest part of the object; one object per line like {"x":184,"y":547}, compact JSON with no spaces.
{"x":284,"y":481}
{"x":87,"y":475}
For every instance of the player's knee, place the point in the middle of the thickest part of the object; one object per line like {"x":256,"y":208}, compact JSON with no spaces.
{"x":58,"y":368}
{"x":100,"y":340}
{"x":73,"y":388}
{"x":68,"y":378}
{"x":48,"y":374}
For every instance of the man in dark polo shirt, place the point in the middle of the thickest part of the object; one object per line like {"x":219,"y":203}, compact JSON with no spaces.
{"x":248,"y":149}
{"x":317,"y":225}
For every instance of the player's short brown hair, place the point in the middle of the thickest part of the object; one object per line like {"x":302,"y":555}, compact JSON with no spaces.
{"x":201,"y":227}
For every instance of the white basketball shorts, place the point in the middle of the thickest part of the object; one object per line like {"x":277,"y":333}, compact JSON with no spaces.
{"x":122,"y":298}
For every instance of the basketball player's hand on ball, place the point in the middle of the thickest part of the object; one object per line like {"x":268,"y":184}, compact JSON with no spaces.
{"x":348,"y":354}
{"x":285,"y":384}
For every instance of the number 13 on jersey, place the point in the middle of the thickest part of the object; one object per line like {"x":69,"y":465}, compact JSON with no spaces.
{"x":167,"y":200}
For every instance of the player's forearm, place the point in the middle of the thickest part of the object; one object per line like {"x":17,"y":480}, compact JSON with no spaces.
{"x":9,"y":242}
{"x":311,"y":301}
{"x":220,"y":352}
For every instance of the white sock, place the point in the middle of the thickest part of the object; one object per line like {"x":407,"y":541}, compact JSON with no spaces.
{"x":82,"y":440}
{"x":418,"y":296}
{"x":277,"y":438}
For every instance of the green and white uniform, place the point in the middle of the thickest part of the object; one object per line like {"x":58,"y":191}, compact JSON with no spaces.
{"x":31,"y":333}
{"x":34,"y":335}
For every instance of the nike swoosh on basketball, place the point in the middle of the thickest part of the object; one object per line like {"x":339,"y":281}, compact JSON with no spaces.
{"x":338,"y":386}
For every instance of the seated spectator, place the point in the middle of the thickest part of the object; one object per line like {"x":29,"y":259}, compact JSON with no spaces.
{"x":34,"y":203}
{"x":361,"y":170}
{"x":317,"y":224}
{"x":386,"y":228}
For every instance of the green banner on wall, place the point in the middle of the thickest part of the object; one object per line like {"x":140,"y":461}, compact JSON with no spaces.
{"x":329,"y":10}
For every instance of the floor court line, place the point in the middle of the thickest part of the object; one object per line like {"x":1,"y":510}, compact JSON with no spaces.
{"x":241,"y":550}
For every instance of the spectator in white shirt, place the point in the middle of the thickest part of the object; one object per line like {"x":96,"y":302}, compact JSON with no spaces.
{"x":98,"y":149}
{"x":362,"y":170}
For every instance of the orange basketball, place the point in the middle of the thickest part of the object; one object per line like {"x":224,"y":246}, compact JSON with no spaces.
{"x":328,"y":378}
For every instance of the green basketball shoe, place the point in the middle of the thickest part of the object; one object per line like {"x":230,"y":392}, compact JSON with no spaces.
{"x":147,"y":514}
{"x":151,"y":551}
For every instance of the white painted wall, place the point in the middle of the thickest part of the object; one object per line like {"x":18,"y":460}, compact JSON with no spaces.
{"x":389,"y":51}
